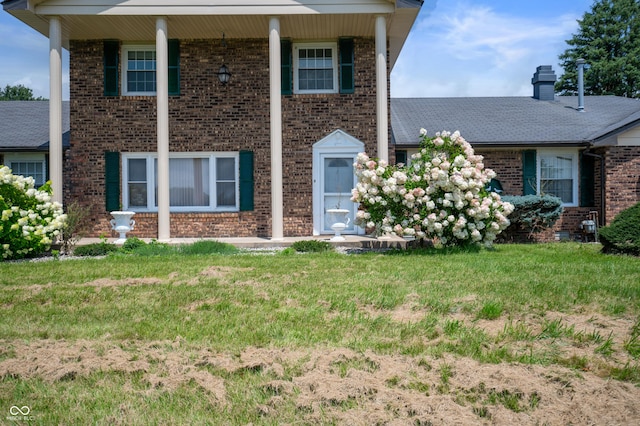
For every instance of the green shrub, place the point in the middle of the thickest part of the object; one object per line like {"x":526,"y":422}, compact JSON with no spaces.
{"x":531,"y":214}
{"x":95,"y":249}
{"x":309,"y":246}
{"x":623,"y":234}
{"x":154,"y":248}
{"x":208,"y":247}
{"x":30,"y":221}
{"x":132,"y":244}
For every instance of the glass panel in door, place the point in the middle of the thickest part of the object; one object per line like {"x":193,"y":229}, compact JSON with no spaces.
{"x":338,"y":180}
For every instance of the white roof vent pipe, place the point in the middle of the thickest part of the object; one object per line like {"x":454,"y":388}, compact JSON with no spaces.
{"x":582,"y":65}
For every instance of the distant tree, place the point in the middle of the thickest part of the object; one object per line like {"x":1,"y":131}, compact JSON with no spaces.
{"x":18,"y":93}
{"x":609,"y":40}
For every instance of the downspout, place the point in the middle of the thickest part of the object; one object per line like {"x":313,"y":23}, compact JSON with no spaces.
{"x":603,"y":181}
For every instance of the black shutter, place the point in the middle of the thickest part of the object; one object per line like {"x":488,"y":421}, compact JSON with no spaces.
{"x":112,"y":180}
{"x":111,"y":55}
{"x":529,"y":167}
{"x":246,"y":180}
{"x":174,"y":67}
{"x":286,"y":67}
{"x":587,"y":181}
{"x":347,"y":84}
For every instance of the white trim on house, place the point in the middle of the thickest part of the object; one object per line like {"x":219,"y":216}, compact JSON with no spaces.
{"x":124,"y":72}
{"x":206,"y":7}
{"x":337,"y":144}
{"x":296,"y":65}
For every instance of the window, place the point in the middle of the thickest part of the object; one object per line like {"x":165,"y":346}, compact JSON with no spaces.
{"x":315,"y":68}
{"x":28,"y":165}
{"x":558,"y":175}
{"x":198,"y":182}
{"x":138,"y":70}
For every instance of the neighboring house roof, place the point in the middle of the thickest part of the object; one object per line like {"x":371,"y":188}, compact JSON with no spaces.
{"x":24,"y":125}
{"x":522,"y":121}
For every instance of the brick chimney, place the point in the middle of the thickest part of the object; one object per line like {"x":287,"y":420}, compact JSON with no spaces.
{"x":543,"y":83}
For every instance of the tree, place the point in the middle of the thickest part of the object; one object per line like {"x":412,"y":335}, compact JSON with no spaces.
{"x":18,"y":93}
{"x":608,"y":39}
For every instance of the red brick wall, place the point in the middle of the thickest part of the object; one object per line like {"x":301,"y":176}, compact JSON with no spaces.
{"x":210,"y":117}
{"x":622,"y":179}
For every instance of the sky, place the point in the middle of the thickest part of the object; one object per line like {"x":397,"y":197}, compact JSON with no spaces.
{"x":456,"y":48}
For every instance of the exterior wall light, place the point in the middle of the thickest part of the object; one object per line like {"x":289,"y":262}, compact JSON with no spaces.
{"x":224,"y":75}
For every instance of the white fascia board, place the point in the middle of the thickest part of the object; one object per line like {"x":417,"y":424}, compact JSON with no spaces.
{"x":204,"y":7}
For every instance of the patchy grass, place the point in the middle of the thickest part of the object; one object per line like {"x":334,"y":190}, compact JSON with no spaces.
{"x":323,"y":338}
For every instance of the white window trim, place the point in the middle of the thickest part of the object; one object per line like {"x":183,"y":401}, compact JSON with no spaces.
{"x":316,"y":45}
{"x":126,"y":48}
{"x":573,"y":153}
{"x":150,"y":157}
{"x":23,"y":157}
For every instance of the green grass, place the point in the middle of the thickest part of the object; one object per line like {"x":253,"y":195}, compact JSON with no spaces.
{"x":230,"y":301}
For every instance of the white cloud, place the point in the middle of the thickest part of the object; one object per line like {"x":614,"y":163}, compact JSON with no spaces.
{"x":474,"y":51}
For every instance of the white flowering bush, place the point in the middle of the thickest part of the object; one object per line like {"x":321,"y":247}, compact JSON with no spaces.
{"x":30,"y":220}
{"x":441,"y":195}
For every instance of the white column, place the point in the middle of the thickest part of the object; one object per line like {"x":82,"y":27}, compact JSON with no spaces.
{"x":55,"y":107}
{"x":381,"y":88}
{"x":162,"y":94}
{"x":277,"y":227}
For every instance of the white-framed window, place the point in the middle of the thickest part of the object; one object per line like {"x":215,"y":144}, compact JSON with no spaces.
{"x":315,"y":67}
{"x":203,"y":181}
{"x":138,"y":70}
{"x":25,"y":164}
{"x":557,"y":174}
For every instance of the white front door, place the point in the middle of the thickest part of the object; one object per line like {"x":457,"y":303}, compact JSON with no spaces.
{"x":333,"y":180}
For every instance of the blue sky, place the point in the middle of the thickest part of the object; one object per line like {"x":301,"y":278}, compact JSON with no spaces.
{"x":456,"y":48}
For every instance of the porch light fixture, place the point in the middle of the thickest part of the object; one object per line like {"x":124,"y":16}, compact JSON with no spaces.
{"x":224,"y":75}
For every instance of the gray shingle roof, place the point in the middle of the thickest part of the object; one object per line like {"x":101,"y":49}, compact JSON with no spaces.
{"x":24,"y":125}
{"x":513,"y":120}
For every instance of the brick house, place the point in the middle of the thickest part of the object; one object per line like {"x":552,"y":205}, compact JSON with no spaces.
{"x":218,"y":118}
{"x":589,"y":156}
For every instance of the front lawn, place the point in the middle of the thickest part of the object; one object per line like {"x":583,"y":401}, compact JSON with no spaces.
{"x":520,"y":334}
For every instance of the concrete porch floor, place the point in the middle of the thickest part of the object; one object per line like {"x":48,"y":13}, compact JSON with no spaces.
{"x":351,"y":241}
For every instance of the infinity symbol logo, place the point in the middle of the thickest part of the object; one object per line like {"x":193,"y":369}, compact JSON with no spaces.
{"x":15,"y":410}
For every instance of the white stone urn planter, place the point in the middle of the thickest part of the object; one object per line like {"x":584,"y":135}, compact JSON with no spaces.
{"x":340,"y":220}
{"x":122,"y":223}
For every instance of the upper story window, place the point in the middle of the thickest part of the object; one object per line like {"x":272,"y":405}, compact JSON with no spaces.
{"x":138,"y":70}
{"x":315,"y":68}
{"x":558,"y":175}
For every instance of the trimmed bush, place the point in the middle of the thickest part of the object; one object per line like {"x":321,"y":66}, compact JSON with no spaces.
{"x":208,"y":247}
{"x":531,"y":214}
{"x":311,"y":246}
{"x":132,"y":244}
{"x":622,"y":236}
{"x":95,"y":249}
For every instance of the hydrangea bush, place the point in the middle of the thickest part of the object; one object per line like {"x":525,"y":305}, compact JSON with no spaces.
{"x":441,"y":195}
{"x":30,"y":220}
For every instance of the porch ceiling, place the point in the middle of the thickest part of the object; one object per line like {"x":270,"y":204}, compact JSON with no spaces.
{"x":134,"y":20}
